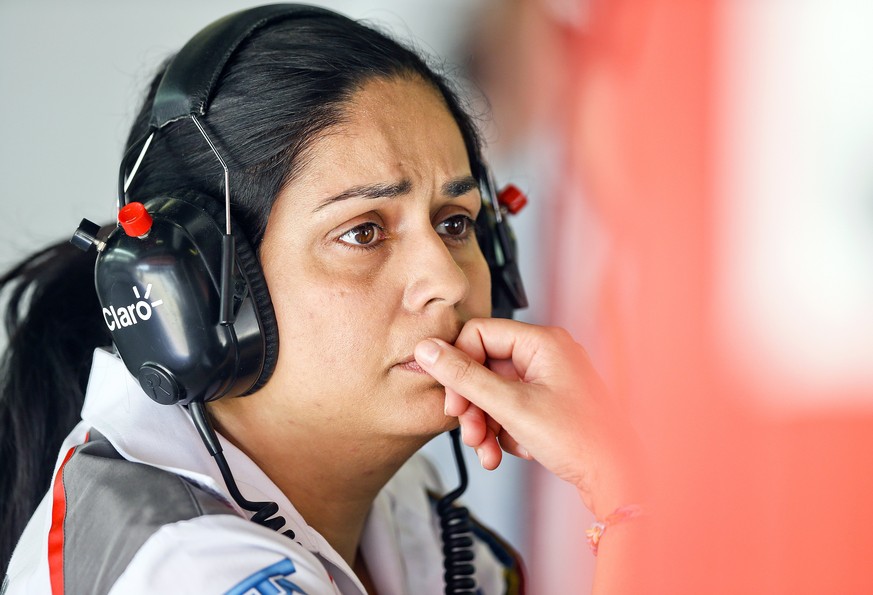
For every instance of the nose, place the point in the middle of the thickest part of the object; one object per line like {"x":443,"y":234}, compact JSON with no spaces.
{"x":433,"y":274}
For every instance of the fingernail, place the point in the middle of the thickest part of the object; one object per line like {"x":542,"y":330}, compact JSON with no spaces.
{"x":523,"y":452}
{"x":427,"y":352}
{"x":481,"y":458}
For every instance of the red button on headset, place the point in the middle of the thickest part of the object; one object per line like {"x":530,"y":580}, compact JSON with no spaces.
{"x":135,"y":219}
{"x":512,"y":198}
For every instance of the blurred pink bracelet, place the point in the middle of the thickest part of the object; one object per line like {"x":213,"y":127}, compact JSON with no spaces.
{"x":621,"y":514}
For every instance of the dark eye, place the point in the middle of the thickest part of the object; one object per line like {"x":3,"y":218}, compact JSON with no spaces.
{"x":366,"y":234}
{"x":457,"y":227}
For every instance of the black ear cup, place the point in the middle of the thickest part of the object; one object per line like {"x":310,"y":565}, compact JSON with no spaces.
{"x":497,"y":242}
{"x":160,"y":298}
{"x":248,"y":261}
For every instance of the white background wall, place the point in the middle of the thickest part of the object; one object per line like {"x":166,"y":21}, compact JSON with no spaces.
{"x":71,"y":77}
{"x":796,"y":241}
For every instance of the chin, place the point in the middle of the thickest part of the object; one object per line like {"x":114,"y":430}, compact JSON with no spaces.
{"x":421,"y":413}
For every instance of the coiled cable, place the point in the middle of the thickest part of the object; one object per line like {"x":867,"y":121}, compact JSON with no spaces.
{"x":456,"y":531}
{"x":264,"y":511}
{"x":457,"y":534}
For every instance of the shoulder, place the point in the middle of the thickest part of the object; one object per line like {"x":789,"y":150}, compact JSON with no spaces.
{"x":222,"y":554}
{"x":109,"y":524}
{"x":510,"y":575}
{"x":417,"y":488}
{"x":105,"y":508}
{"x":417,"y":474}
{"x":498,"y":565}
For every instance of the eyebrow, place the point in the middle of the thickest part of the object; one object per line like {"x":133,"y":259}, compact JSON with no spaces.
{"x":460,"y":186}
{"x":452,"y":189}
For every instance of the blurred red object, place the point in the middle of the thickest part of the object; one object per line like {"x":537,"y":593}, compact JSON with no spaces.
{"x":749,"y":496}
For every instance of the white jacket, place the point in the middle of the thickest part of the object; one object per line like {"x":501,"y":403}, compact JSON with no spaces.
{"x":107,"y":525}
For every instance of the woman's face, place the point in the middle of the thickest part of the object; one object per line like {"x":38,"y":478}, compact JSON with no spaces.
{"x":370,"y":249}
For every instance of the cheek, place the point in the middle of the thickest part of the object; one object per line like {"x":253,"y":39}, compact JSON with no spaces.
{"x":478,"y":304}
{"x":333,"y":319}
{"x":326,"y":321}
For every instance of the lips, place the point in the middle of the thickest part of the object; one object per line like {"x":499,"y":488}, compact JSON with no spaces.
{"x":410,"y":365}
{"x":448,"y":333}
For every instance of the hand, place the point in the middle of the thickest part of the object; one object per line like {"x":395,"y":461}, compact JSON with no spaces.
{"x":533,"y":391}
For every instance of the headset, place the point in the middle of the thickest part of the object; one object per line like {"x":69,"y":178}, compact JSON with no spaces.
{"x":182,"y":292}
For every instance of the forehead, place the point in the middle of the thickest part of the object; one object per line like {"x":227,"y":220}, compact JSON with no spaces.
{"x":398,"y":128}
{"x":397,"y":99}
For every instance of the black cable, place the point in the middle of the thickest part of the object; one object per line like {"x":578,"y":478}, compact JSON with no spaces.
{"x":455,"y":525}
{"x":457,"y":534}
{"x":264,"y":511}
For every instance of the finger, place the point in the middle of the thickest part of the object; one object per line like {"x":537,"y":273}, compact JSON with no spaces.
{"x":473,"y":426}
{"x":456,"y":370}
{"x":503,"y":367}
{"x":489,"y":452}
{"x":455,"y":403}
{"x":533,"y":350}
{"x":510,"y":445}
{"x":500,"y":339}
{"x":492,"y":423}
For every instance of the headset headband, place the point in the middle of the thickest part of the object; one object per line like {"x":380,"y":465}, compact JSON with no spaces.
{"x":189,"y":81}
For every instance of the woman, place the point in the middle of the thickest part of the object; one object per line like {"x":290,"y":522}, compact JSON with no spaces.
{"x":362,"y":220}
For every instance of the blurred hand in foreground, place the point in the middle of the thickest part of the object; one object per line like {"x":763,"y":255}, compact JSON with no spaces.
{"x":532,"y":391}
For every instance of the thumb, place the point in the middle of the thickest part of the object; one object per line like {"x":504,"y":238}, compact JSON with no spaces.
{"x":457,"y":371}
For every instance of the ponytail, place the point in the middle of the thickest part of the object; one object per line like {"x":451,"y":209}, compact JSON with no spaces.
{"x":53,"y":324}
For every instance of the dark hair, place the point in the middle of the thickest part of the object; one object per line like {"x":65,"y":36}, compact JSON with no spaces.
{"x":53,"y":323}
{"x":283,"y":88}
{"x":304,"y":71}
